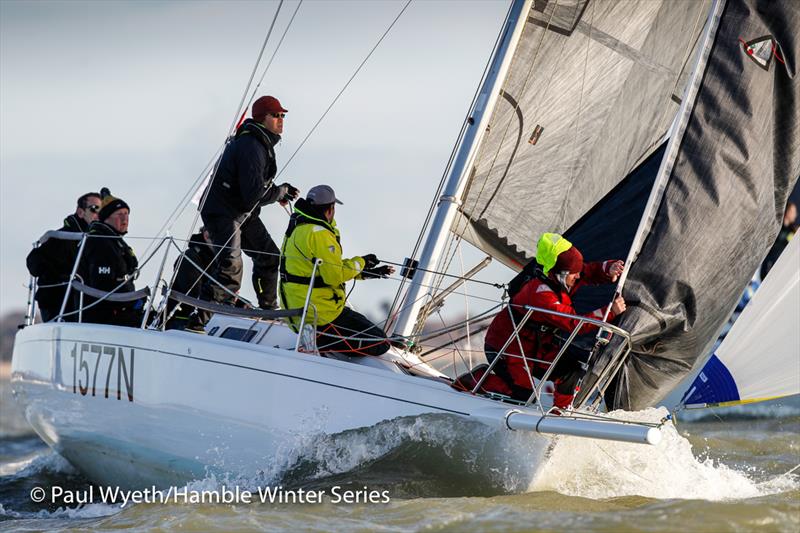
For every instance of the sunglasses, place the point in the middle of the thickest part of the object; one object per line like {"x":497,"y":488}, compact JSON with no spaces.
{"x":93,"y":208}
{"x":278,"y":115}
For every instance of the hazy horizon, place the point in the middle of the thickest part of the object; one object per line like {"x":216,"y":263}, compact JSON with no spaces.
{"x":138,"y":96}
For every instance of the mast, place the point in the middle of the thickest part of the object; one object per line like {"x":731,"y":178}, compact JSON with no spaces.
{"x":450,"y":199}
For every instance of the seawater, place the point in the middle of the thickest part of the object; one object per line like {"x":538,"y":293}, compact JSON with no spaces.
{"x":713,"y":471}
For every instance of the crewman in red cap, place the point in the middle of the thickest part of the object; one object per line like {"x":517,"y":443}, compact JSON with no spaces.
{"x":242,"y":184}
{"x":560,"y":272}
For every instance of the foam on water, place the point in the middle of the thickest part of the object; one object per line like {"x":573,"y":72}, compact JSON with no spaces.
{"x":92,"y":510}
{"x":604,"y":469}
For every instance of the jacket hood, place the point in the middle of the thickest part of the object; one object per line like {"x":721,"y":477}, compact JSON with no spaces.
{"x":307,"y":213}
{"x":73,"y":222}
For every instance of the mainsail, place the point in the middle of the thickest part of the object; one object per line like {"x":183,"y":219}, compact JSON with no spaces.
{"x":766,"y":336}
{"x":722,"y":202}
{"x":592,"y":90}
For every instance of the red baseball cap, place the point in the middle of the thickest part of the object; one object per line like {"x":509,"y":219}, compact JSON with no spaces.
{"x":267,"y":105}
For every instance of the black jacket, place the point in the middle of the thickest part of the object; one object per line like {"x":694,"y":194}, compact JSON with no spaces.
{"x":52,"y":263}
{"x":107,"y":259}
{"x":243,"y":181}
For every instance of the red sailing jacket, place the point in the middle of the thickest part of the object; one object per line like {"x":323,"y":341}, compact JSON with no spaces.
{"x":538,"y":344}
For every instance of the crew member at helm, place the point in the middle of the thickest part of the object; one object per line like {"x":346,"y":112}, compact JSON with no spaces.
{"x":557,"y":274}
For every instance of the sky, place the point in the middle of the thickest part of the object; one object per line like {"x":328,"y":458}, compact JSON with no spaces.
{"x":139,"y":96}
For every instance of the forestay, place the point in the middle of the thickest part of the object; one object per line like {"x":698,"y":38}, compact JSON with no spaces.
{"x":592,"y":90}
{"x":759,"y":359}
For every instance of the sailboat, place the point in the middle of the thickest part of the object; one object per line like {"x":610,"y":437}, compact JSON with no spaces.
{"x":585,"y":104}
{"x":726,"y":378}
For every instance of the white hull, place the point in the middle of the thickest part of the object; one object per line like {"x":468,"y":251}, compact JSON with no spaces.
{"x":199,"y":402}
{"x":134,"y":407}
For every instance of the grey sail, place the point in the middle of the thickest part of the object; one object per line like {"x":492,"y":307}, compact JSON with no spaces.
{"x":723,"y":201}
{"x":593,"y":88}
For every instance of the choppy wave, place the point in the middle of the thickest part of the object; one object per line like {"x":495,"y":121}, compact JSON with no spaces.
{"x":604,"y":469}
{"x":433,"y":458}
{"x":47,"y":462}
{"x":427,"y":455}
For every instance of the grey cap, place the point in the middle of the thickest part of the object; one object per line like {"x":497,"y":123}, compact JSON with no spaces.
{"x":322,"y":195}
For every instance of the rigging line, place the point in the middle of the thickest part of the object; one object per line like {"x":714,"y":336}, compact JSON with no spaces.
{"x":792,"y":470}
{"x":346,"y":85}
{"x":466,"y":305}
{"x":575,"y":143}
{"x":230,"y":132}
{"x":618,"y":463}
{"x":255,"y":69}
{"x":511,"y":116}
{"x":459,"y":232}
{"x":673,"y":144}
{"x":186,"y":198}
{"x":455,"y":347}
{"x":480,"y":317}
{"x":272,"y":58}
{"x":184,"y":202}
{"x":126,"y":279}
{"x":448,"y":166}
{"x":456,"y":276}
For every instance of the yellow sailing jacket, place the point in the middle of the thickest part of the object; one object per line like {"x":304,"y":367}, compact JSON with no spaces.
{"x":313,"y":238}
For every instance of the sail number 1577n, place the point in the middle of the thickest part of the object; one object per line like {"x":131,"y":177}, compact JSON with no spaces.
{"x":89,"y":360}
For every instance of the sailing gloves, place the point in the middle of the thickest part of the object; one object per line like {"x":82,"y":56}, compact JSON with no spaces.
{"x":370,"y":261}
{"x":289,"y":193}
{"x":372,"y":270}
{"x":377,"y":272}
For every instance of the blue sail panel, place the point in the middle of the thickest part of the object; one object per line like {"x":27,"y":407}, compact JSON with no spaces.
{"x":714,"y":384}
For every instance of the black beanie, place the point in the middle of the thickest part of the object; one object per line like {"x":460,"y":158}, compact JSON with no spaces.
{"x":110,"y":204}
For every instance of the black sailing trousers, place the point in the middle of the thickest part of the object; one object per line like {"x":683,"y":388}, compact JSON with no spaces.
{"x":230,"y":237}
{"x":353,"y":334}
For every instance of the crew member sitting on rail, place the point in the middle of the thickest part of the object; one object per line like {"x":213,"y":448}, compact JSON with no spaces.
{"x":312,"y":234}
{"x":109,"y":264}
{"x":555,"y":277}
{"x":52,"y":262}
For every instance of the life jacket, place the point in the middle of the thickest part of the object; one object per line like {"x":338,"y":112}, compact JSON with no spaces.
{"x":310,"y":237}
